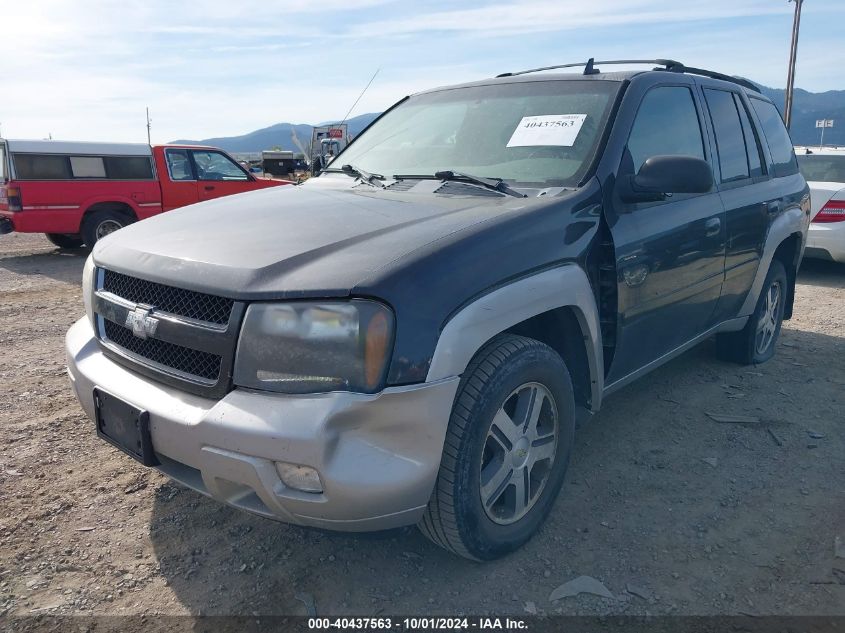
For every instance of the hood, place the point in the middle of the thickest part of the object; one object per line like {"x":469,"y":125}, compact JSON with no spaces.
{"x":319,"y":239}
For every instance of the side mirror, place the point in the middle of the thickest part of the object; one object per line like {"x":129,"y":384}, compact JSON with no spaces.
{"x":663,"y":175}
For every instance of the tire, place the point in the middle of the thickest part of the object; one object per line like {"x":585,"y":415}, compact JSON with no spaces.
{"x":98,"y":224}
{"x":756,"y":342}
{"x":501,"y":378}
{"x":63,"y":240}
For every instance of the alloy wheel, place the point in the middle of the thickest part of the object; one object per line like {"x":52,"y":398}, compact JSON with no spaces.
{"x":518,"y":454}
{"x":768,"y":324}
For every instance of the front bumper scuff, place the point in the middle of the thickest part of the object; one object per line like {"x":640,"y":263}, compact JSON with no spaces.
{"x":377,"y":455}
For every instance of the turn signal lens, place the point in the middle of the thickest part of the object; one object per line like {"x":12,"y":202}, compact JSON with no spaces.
{"x":375,"y":349}
{"x":302,"y":478}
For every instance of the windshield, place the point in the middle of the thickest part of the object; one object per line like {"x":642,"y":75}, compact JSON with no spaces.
{"x":2,"y":162}
{"x":822,"y":168}
{"x":537,"y":134}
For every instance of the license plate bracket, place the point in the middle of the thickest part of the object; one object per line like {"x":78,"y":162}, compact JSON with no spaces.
{"x":124,"y":426}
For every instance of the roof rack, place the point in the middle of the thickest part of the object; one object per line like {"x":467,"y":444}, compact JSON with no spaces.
{"x":662,"y":64}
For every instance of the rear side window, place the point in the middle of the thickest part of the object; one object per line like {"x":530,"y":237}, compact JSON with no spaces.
{"x":87,"y":167}
{"x":777,"y":138}
{"x":666,"y":123}
{"x":822,"y":168}
{"x":128,"y":167}
{"x":730,"y":143}
{"x":42,"y":167}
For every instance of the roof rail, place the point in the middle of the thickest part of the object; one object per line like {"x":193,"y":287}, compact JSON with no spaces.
{"x":663,"y":64}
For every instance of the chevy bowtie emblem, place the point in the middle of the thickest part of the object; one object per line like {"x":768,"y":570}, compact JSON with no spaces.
{"x":141,"y":323}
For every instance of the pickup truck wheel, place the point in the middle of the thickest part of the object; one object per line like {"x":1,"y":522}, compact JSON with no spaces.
{"x":506,"y":451}
{"x":755,"y":343}
{"x":63,"y":240}
{"x":98,"y":224}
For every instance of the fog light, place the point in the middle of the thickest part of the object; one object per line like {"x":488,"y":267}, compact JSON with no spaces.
{"x":302,"y":478}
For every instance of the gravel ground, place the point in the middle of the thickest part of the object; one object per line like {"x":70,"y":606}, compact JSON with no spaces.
{"x":673,"y":512}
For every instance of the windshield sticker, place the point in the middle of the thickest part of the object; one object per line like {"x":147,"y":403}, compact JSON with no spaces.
{"x":548,"y":129}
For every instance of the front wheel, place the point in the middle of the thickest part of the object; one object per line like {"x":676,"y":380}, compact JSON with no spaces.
{"x":755,"y":343}
{"x":63,"y":240}
{"x":506,"y":451}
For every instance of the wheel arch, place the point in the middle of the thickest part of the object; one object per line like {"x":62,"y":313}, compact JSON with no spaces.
{"x":784,"y":241}
{"x":555,"y":306}
{"x":110,"y":204}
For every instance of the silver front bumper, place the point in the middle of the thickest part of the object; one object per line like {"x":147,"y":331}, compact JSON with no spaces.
{"x":377,"y":455}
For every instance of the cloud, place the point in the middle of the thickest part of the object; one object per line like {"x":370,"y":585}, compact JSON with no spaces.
{"x":221,"y":67}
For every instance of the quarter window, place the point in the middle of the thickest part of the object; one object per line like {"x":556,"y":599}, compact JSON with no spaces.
{"x":179,"y":164}
{"x":733,"y":160}
{"x":216,"y":166}
{"x":780,"y":145}
{"x":752,"y":141}
{"x":666,"y":123}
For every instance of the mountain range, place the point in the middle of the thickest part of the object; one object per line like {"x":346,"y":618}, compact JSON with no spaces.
{"x":807,"y":109}
{"x":293,"y":137}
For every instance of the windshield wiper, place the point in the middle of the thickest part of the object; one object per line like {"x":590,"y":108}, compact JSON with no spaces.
{"x":365,"y":176}
{"x":496,"y":184}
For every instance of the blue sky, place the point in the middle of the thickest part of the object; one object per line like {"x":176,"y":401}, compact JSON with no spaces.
{"x":85,"y":70}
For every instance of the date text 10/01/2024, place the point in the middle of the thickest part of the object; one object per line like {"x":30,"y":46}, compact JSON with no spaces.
{"x":418,"y":623}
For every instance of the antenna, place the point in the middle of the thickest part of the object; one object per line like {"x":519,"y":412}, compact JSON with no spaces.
{"x":148,"y":126}
{"x":367,"y":87}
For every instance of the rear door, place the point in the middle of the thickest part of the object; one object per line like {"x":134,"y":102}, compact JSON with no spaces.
{"x":669,"y":254}
{"x":743,"y":182}
{"x":218,"y":175}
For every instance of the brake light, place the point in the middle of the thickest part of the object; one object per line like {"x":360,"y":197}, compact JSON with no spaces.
{"x":14,"y":196}
{"x":833,"y":211}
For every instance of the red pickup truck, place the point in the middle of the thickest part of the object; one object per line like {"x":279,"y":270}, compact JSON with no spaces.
{"x":77,"y":193}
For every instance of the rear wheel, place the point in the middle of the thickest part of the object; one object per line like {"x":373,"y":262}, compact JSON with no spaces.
{"x":755,"y":343}
{"x":99,"y":224}
{"x":64,"y":240}
{"x":506,"y":451}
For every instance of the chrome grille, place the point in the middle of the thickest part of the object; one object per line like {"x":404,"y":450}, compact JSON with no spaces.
{"x":180,"y":337}
{"x":182,"y":359}
{"x":186,"y":303}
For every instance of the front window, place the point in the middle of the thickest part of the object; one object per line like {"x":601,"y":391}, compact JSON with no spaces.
{"x":216,"y":166}
{"x":533,"y":134}
{"x":822,"y":168}
{"x":2,"y":162}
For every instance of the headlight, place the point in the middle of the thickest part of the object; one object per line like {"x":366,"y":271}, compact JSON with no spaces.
{"x":88,"y":288}
{"x":314,"y":347}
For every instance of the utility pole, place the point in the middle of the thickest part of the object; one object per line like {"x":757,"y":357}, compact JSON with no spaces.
{"x":148,"y":126}
{"x":793,"y":54}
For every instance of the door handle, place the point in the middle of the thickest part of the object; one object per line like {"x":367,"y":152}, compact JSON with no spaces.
{"x":712,"y":227}
{"x":209,"y":187}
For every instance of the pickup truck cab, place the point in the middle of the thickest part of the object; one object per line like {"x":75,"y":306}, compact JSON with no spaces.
{"x":410,"y":336}
{"x":79,"y":192}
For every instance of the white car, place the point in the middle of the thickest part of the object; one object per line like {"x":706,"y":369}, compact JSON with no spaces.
{"x":824,"y":170}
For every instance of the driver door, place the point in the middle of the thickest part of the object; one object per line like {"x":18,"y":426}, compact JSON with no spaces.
{"x":218,"y":175}
{"x":670,"y":255}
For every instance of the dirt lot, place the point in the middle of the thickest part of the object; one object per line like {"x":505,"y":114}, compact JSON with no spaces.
{"x":674,"y":512}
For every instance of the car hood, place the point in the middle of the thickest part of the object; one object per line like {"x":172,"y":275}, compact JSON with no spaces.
{"x":318,"y":239}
